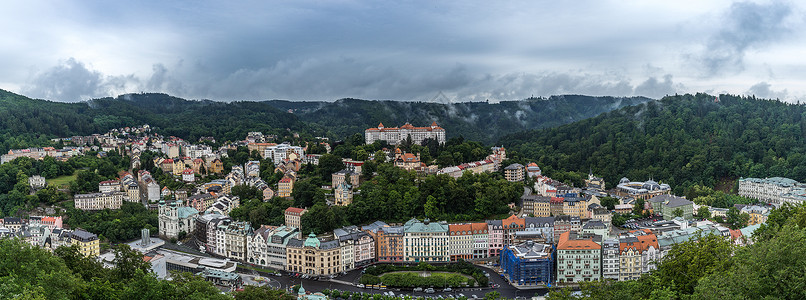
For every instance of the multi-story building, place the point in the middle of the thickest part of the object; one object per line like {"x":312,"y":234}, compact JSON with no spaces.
{"x":629,"y":258}
{"x":235,"y":239}
{"x":389,"y":243}
{"x":175,"y":219}
{"x":313,"y":257}
{"x":99,"y":201}
{"x":395,"y":135}
{"x":535,"y":205}
{"x":202,"y":202}
{"x":276,"y":245}
{"x":533,"y":170}
{"x":528,"y":263}
{"x":595,"y":227}
{"x":37,"y":182}
{"x":188,"y":175}
{"x":407,"y":161}
{"x":495,"y":237}
{"x":563,"y":224}
{"x":203,"y":227}
{"x":575,"y":206}
{"x":511,"y":225}
{"x":579,"y":258}
{"x":285,"y":187}
{"x":293,"y":215}
{"x":514,"y":172}
{"x":284,"y":151}
{"x":666,"y":205}
{"x":361,"y":244}
{"x":770,"y":190}
{"x":216,"y":166}
{"x":341,"y":176}
{"x":425,"y":241}
{"x":542,"y":225}
{"x":257,"y":251}
{"x":641,"y":190}
{"x":465,"y":240}
{"x":88,"y":244}
{"x":108,"y":186}
{"x":343,"y":194}
{"x":758,"y":214}
{"x":610,"y":259}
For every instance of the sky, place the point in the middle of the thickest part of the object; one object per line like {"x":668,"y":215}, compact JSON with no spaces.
{"x":402,"y":50}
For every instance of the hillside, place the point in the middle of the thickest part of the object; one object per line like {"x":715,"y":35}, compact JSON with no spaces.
{"x":478,"y":121}
{"x":28,"y":122}
{"x":680,"y":140}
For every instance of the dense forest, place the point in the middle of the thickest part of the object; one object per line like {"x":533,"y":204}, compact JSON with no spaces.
{"x":26,"y":122}
{"x":478,"y":121}
{"x":681,"y":140}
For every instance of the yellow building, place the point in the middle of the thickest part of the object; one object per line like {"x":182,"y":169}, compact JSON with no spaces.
{"x":216,"y":166}
{"x":313,"y":256}
{"x":285,"y":187}
{"x":87,"y":243}
{"x":178,"y":167}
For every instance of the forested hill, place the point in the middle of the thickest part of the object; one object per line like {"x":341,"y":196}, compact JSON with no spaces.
{"x":478,"y":121}
{"x":680,"y":140}
{"x":28,"y":122}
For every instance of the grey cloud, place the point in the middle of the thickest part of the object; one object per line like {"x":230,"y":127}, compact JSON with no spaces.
{"x":72,"y":81}
{"x":656,"y":89}
{"x":745,"y":26}
{"x":764,"y":90}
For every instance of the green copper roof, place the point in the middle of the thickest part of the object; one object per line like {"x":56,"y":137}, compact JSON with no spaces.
{"x":311,"y":241}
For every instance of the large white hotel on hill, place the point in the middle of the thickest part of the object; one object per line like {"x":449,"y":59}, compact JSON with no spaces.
{"x":394,"y":135}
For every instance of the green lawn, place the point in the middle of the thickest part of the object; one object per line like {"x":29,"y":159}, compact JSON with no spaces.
{"x":61,"y":180}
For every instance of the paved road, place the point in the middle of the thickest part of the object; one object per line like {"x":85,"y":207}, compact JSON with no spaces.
{"x":504,"y":289}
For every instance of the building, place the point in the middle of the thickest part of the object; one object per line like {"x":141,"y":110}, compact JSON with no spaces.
{"x":563,"y":224}
{"x":341,"y":176}
{"x":109,"y":186}
{"x":425,"y":241}
{"x":495,"y":237}
{"x":37,"y":182}
{"x":579,"y":258}
{"x":293,"y":216}
{"x":284,"y":151}
{"x":357,"y":247}
{"x":285,"y":187}
{"x":666,"y":205}
{"x":595,"y":227}
{"x":532,"y":170}
{"x":406,"y":160}
{"x":216,"y":166}
{"x":236,"y":234}
{"x":610,"y":259}
{"x":528,"y":263}
{"x":88,"y":244}
{"x":99,"y":201}
{"x":343,"y":194}
{"x":594,"y":183}
{"x":313,"y":256}
{"x":511,"y":225}
{"x":640,"y":190}
{"x":389,"y":244}
{"x":773,"y":190}
{"x":395,"y":135}
{"x":466,"y":240}
{"x":538,"y":206}
{"x":277,"y":243}
{"x":188,"y":175}
{"x":201,"y":202}
{"x":176,"y":220}
{"x":514,"y":172}
{"x":758,"y":214}
{"x":539,"y":228}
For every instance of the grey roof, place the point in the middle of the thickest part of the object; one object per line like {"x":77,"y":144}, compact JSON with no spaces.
{"x":329,"y":245}
{"x":539,"y":221}
{"x":531,"y":250}
{"x":515,"y":166}
{"x":393,"y":230}
{"x":594,"y":224}
{"x":374,"y":226}
{"x":83,"y":235}
{"x":295,"y":243}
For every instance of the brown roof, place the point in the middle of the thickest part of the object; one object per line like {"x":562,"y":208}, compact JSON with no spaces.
{"x":565,"y":243}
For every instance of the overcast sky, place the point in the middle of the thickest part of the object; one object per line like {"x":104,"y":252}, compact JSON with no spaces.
{"x":406,"y":50}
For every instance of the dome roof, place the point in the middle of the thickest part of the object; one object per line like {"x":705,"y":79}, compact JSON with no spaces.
{"x":312,"y":241}
{"x":623,"y":180}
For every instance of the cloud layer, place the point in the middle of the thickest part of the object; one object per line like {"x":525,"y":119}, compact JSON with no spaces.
{"x":470,"y":51}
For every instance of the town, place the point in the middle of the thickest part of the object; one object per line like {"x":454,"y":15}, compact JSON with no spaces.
{"x":553,"y":234}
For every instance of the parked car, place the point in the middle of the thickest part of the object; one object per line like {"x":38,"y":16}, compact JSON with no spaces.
{"x":419,"y":289}
{"x":447,"y":289}
{"x":360,"y":285}
{"x":429,"y":291}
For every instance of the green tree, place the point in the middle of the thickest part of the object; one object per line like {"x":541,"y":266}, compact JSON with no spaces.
{"x":638,"y":208}
{"x":609,"y":202}
{"x":736,"y":219}
{"x":703,"y":212}
{"x":259,"y":293}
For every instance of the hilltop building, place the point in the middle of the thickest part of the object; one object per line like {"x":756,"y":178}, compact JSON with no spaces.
{"x":395,"y":135}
